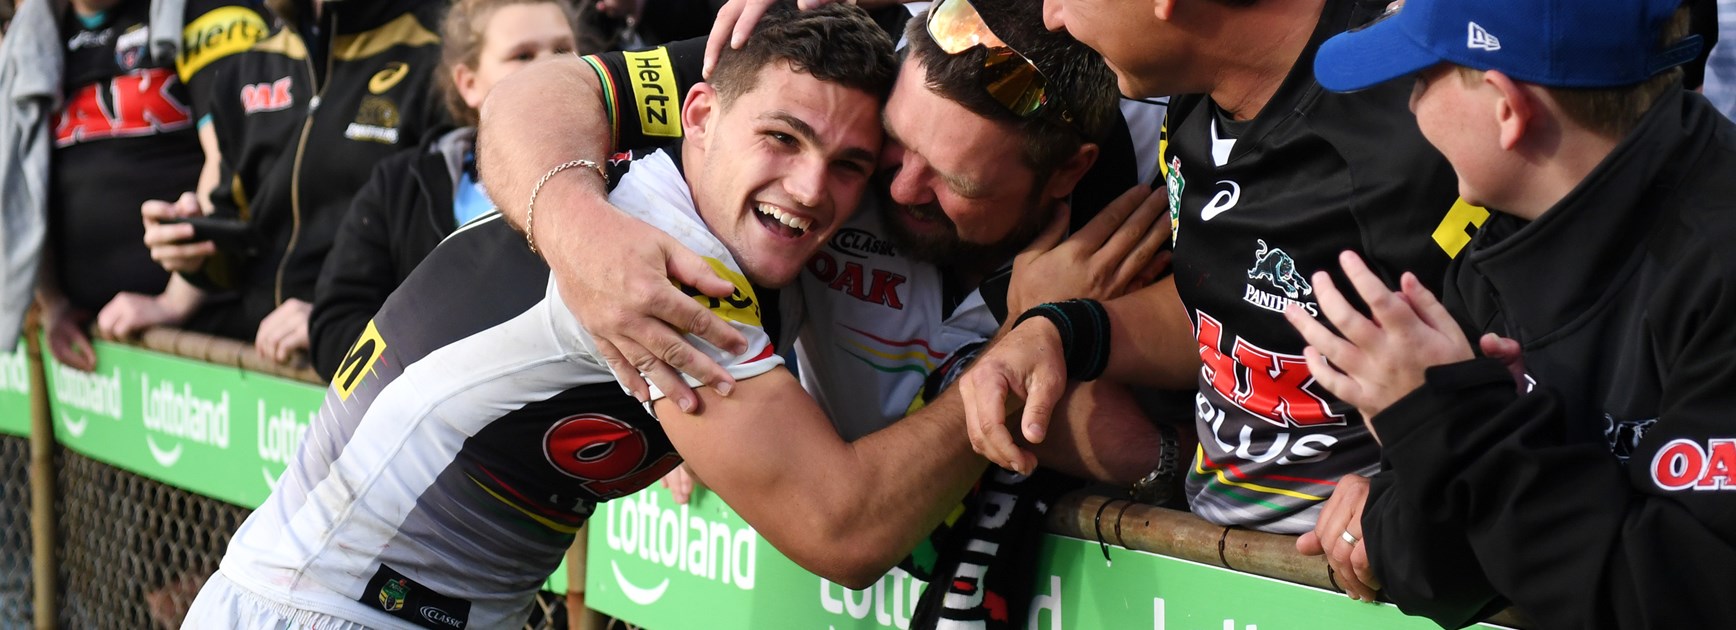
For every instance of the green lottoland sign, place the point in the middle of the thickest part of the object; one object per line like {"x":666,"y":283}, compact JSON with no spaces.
{"x":220,"y":431}
{"x":15,"y":392}
{"x":663,"y":566}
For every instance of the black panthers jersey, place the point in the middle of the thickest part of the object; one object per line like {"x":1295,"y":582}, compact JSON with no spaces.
{"x":125,"y":134}
{"x":1257,"y":207}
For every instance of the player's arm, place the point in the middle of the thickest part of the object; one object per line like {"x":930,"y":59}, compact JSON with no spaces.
{"x":847,"y":511}
{"x":1101,"y":432}
{"x":613,"y":270}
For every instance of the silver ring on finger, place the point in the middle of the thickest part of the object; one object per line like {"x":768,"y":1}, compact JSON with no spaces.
{"x":1349,"y":538}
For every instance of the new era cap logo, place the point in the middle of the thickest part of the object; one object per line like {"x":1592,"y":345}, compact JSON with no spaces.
{"x":1481,"y":39}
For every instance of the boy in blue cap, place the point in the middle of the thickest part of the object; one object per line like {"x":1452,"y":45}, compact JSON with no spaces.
{"x":1590,"y":493}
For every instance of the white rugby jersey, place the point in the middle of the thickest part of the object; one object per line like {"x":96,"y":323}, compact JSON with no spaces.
{"x":878,"y":324}
{"x":469,"y":434}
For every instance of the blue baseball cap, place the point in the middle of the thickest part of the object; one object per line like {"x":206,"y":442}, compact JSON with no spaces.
{"x":1553,"y":43}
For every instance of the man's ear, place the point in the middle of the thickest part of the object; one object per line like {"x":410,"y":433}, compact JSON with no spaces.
{"x":1515,"y":108}
{"x":697,"y":111}
{"x":1067,"y":176}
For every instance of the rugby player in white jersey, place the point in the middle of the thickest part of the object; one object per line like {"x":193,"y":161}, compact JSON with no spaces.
{"x":474,"y":426}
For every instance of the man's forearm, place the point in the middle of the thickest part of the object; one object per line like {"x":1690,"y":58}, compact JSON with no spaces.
{"x":540,"y":117}
{"x":1152,"y":338}
{"x":923,"y":465}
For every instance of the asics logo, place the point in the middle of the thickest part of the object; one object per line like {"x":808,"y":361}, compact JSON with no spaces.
{"x":1223,"y":201}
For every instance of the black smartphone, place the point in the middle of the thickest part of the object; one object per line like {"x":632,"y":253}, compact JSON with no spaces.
{"x":232,"y":236}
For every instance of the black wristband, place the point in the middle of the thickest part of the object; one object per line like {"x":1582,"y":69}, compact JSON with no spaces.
{"x":1084,"y":327}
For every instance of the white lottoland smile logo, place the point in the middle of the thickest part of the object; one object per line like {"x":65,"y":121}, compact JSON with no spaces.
{"x":278,"y":439}
{"x":176,"y":412}
{"x":83,"y":394}
{"x":15,"y":372}
{"x":679,"y":540}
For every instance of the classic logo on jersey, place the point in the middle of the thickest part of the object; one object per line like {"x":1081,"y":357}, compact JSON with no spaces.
{"x":217,"y":34}
{"x":740,"y":306}
{"x":270,"y":96}
{"x":1685,"y":464}
{"x":401,"y":597}
{"x":1276,"y":271}
{"x":860,"y":243}
{"x":359,"y":361}
{"x":1479,"y":38}
{"x":137,"y":104}
{"x":1276,"y":387}
{"x":392,"y":595}
{"x":876,"y":286}
{"x":376,"y":121}
{"x":654,"y":94}
{"x":611,"y":456}
{"x":90,"y":39}
{"x":130,"y":47}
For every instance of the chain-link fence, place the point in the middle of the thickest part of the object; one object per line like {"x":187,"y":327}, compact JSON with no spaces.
{"x":134,"y":552}
{"x":15,"y":556}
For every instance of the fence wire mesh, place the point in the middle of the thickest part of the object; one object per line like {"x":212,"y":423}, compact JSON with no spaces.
{"x":15,"y":540}
{"x":134,"y":552}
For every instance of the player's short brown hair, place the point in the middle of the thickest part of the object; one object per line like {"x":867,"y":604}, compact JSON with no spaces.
{"x":835,"y":43}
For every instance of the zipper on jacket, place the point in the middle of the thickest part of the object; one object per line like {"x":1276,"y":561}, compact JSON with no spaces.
{"x":301,"y":152}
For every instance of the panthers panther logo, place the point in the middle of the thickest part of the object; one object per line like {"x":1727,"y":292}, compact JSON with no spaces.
{"x":1276,"y":267}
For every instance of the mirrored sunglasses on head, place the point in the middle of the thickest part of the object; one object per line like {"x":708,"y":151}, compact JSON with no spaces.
{"x":1008,"y":76}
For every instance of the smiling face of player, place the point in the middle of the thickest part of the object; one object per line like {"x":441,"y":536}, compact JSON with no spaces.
{"x":777,"y":170}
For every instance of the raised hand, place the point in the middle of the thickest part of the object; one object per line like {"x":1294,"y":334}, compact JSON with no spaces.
{"x":1378,"y":360}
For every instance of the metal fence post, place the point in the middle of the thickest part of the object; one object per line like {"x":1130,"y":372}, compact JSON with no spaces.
{"x":42,"y":494}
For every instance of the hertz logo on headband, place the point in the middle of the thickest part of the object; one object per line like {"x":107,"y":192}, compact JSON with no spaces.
{"x":654,"y":93}
{"x":215,"y":35}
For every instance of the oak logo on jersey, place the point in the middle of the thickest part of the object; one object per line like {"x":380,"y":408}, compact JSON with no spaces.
{"x":217,"y":34}
{"x":1273,"y":386}
{"x":654,"y":94}
{"x":266,"y":97}
{"x":359,"y":361}
{"x":137,"y":104}
{"x":611,"y":456}
{"x":376,"y":121}
{"x":1276,"y":273}
{"x":878,"y":287}
{"x":1684,"y":464}
{"x":740,"y":306}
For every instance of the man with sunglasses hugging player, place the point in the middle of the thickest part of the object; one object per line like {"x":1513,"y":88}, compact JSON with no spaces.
{"x":982,"y":147}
